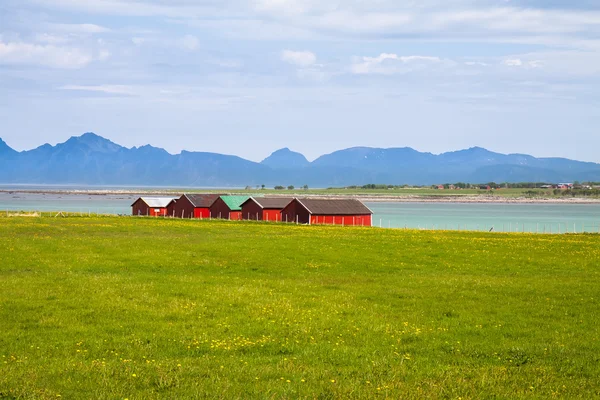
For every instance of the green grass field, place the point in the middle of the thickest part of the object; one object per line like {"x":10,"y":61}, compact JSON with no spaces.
{"x":136,"y":308}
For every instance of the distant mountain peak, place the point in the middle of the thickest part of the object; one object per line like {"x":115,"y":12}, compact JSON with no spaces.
{"x":92,"y":142}
{"x":479,"y":150}
{"x":374,"y":158}
{"x":90,"y":135}
{"x":285,"y":158}
{"x":470,"y":150}
{"x":150,"y":149}
{"x":284,"y":151}
{"x":4,"y":148}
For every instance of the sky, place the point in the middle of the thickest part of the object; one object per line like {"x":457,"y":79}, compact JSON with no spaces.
{"x":249,"y":77}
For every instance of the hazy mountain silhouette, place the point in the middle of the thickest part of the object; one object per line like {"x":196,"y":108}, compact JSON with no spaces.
{"x":92,"y":159}
{"x":5,"y":149}
{"x":285,"y":159}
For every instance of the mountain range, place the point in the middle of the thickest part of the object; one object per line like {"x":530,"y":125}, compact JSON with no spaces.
{"x":93,"y":160}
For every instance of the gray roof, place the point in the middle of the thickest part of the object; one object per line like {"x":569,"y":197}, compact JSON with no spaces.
{"x":335,"y":206}
{"x":155,"y":202}
{"x":271,"y":202}
{"x":202,"y":200}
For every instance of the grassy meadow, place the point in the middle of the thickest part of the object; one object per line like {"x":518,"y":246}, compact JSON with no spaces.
{"x":143,"y":308}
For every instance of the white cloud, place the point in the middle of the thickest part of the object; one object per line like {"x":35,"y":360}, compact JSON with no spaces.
{"x":21,"y":53}
{"x":565,"y":63}
{"x":287,"y":7}
{"x":79,"y":28}
{"x":460,"y":19}
{"x":389,"y":63}
{"x":51,"y":38}
{"x":251,"y":29}
{"x":535,"y":64}
{"x":419,"y":59}
{"x":103,"y":55}
{"x":109,"y":89}
{"x":513,"y":62}
{"x":225,"y":63}
{"x":382,"y":19}
{"x":517,"y":62}
{"x":372,"y":64}
{"x":306,"y":65}
{"x":142,"y":8}
{"x":299,"y":58}
{"x":312,"y":74}
{"x":189,"y":42}
{"x":371,"y":23}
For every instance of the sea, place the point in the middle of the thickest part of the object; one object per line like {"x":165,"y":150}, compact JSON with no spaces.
{"x":498,"y":217}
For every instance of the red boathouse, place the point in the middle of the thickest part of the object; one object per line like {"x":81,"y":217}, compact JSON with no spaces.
{"x":151,"y":206}
{"x":264,"y":208}
{"x":228,"y":207}
{"x":192,"y":206}
{"x":328,"y":212}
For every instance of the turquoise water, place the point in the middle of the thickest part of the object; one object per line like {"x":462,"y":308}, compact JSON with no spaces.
{"x":512,"y":217}
{"x":98,"y":204}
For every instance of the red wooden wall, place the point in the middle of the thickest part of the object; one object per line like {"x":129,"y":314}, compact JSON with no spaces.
{"x":348,"y":220}
{"x":271,"y":214}
{"x":181,"y":208}
{"x":295,"y":212}
{"x":252,"y":211}
{"x":202,"y":212}
{"x":140,"y":208}
{"x":158,"y":212}
{"x":220,"y":209}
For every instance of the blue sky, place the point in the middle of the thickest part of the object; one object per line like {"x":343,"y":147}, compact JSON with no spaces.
{"x":249,"y":77}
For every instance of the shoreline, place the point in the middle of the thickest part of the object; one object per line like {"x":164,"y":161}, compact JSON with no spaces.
{"x":372,"y":198}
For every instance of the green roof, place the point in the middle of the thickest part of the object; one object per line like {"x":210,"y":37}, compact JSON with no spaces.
{"x":235,"y":202}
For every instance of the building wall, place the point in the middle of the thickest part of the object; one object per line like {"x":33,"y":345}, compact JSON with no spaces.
{"x":295,"y":212}
{"x":158,"y":212}
{"x":202,"y":212}
{"x":271,"y":215}
{"x":141,"y":209}
{"x":347,"y":220}
{"x":219,"y":209}
{"x":252,"y":211}
{"x":235,"y":215}
{"x":182,"y":208}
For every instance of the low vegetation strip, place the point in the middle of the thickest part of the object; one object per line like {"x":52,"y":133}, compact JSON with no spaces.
{"x":142,"y":308}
